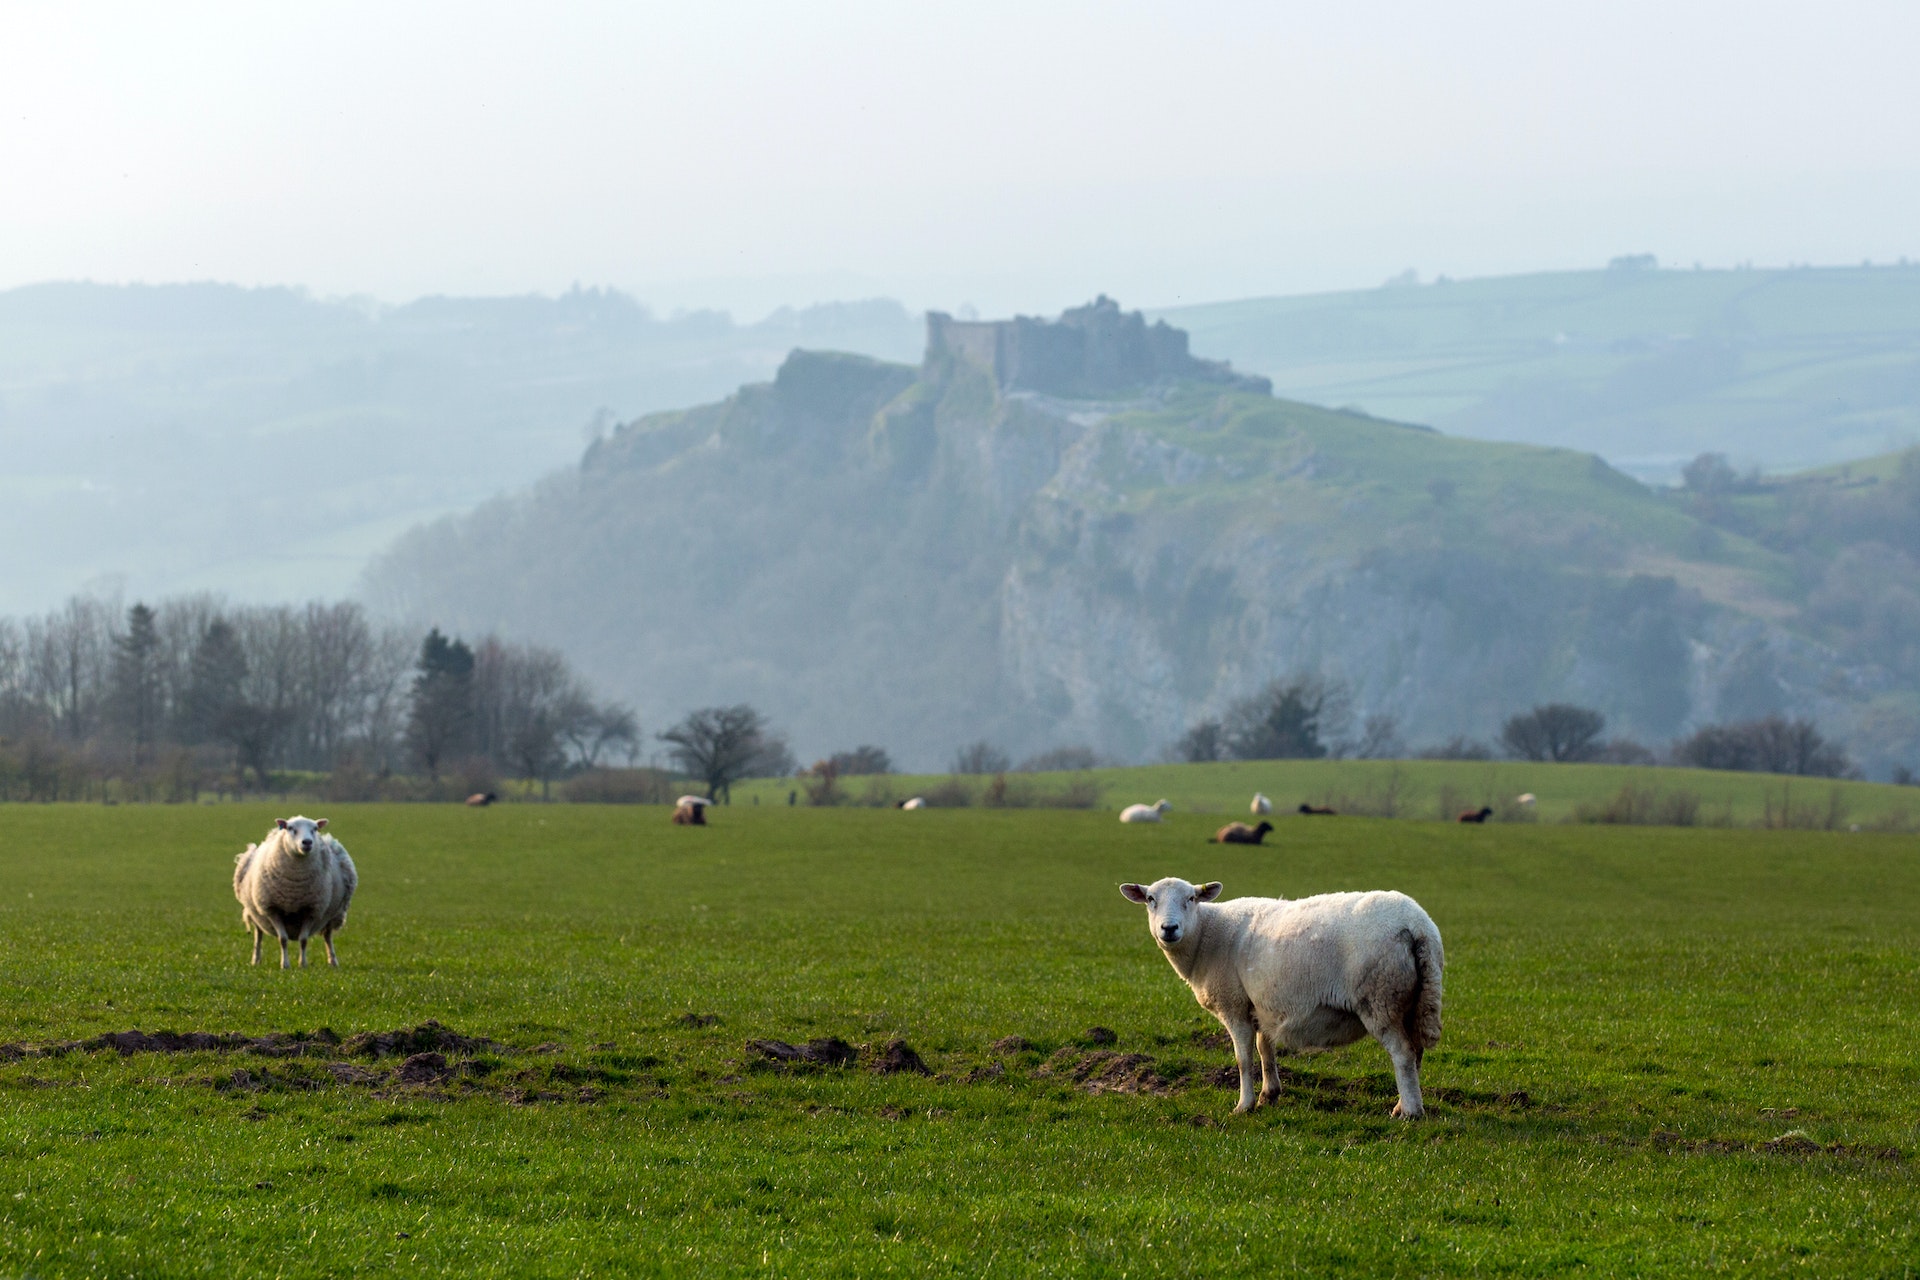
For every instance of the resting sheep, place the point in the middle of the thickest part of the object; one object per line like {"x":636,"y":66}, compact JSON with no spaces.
{"x":295,"y":883}
{"x":481,"y":799}
{"x":916,"y":802}
{"x":1308,"y":974}
{"x":689,"y":815}
{"x":1145,"y":812}
{"x":1241,"y":833}
{"x":1261,"y":806}
{"x":1477,"y":815}
{"x":1316,"y":811}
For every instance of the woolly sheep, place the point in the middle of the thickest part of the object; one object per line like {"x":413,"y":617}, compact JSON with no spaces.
{"x":698,"y":802}
{"x":1476,"y":815}
{"x":1313,"y":973}
{"x":689,"y":815}
{"x":1145,"y":812}
{"x":1261,"y":806}
{"x":295,"y":883}
{"x":1241,"y":833}
{"x":1525,"y":801}
{"x":917,"y":802}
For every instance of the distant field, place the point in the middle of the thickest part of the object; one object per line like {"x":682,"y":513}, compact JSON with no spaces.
{"x":1667,"y":1052}
{"x":1434,"y":789}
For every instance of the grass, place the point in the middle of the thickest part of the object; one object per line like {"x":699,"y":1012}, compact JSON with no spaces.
{"x":1440,"y":789}
{"x":1667,"y":1051}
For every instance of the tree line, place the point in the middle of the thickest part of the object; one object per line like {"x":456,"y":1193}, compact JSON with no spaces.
{"x":193,"y":686}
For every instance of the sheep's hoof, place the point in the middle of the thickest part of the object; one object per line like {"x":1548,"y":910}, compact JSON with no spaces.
{"x":1269,"y":1097}
{"x":1241,"y":1109}
{"x":1400,"y":1111}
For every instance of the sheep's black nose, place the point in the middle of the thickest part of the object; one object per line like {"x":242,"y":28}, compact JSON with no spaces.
{"x":1169,"y":931}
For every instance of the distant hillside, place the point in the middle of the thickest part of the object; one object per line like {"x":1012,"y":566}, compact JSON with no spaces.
{"x":925,"y":556}
{"x":266,"y":443}
{"x":1780,"y":369}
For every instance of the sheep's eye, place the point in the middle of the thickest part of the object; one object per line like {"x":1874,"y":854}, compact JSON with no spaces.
{"x":1149,"y":899}
{"x":1189,"y":899}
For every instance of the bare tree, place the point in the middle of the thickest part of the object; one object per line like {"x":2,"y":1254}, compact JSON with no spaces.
{"x":1380,"y":739}
{"x":720,"y":746}
{"x":981,"y":757}
{"x":1204,"y":743}
{"x":1292,"y":719}
{"x":1556,"y":731}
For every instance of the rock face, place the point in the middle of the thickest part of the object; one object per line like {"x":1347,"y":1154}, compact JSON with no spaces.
{"x":1043,"y":543}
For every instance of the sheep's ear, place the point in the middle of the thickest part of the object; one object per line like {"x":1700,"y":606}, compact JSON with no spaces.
{"x":1209,"y":891}
{"x":1134,"y":893}
{"x":280,"y":823}
{"x":319,"y":824}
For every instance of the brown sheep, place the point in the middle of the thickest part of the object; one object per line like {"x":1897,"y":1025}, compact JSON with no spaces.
{"x":690,"y":815}
{"x":1241,"y":833}
{"x":1316,"y":811}
{"x":481,"y":799}
{"x":1480,"y":815}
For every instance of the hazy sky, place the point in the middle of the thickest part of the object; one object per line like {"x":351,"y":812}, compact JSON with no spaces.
{"x":1011,"y":155}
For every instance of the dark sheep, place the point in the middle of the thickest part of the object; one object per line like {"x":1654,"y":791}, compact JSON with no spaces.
{"x":690,"y":815}
{"x":1241,"y":833}
{"x":1316,"y":811}
{"x":481,"y":799}
{"x":1480,"y":815}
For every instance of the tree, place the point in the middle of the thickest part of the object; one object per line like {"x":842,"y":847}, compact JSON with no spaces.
{"x":440,"y":719}
{"x":1709,"y":473}
{"x":134,"y":688}
{"x":1287,"y":720}
{"x":593,"y":731}
{"x":860,"y":762}
{"x":215,"y":678}
{"x":1204,"y":743}
{"x":721,"y":745}
{"x":1772,"y":744}
{"x":981,"y":757}
{"x":1555,"y":731}
{"x":1380,"y":739}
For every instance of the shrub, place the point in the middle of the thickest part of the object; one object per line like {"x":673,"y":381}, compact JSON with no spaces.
{"x":1635,"y":805}
{"x":623,"y":786}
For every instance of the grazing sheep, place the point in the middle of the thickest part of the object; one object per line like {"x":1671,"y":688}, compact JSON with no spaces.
{"x":689,"y":815}
{"x":1316,"y":811}
{"x":1145,"y":812}
{"x":1241,"y":833}
{"x":1477,"y":815}
{"x":1261,"y":806}
{"x":295,"y":883}
{"x":1525,"y":801}
{"x":1314,"y":973}
{"x":916,"y":802}
{"x":481,"y":799}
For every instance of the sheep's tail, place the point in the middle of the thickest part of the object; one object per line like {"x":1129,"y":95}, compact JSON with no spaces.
{"x":1423,"y":1018}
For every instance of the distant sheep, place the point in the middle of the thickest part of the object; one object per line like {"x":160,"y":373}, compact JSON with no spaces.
{"x":1145,"y":812}
{"x":1525,"y":801}
{"x":297,"y":882}
{"x":1241,"y":833}
{"x":1314,"y":973}
{"x":481,"y":799}
{"x":1316,"y":811}
{"x":1477,"y":815}
{"x":1261,"y":806}
{"x":689,"y":815}
{"x":916,"y":802}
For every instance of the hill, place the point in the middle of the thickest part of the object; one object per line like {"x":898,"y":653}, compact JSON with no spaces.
{"x":1783,"y":369}
{"x":924,"y":556}
{"x":266,"y":443}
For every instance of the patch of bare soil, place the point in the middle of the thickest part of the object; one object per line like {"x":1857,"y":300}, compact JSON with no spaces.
{"x":428,"y":1037}
{"x":829,"y":1051}
{"x":1105,"y":1071}
{"x":898,"y":1057}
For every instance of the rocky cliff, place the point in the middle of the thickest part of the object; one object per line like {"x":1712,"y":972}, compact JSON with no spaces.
{"x":920,"y":558}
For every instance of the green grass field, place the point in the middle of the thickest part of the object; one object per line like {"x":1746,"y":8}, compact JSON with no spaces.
{"x":1667,"y":1051}
{"x":1435,"y":789}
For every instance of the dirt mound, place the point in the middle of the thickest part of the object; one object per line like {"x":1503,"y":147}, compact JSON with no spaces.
{"x":830,"y":1051}
{"x":898,"y":1056}
{"x":1011,"y":1044}
{"x":423,"y":1068}
{"x":1104,"y":1071}
{"x":1100,"y":1035}
{"x":428,"y":1037}
{"x":279,"y":1044}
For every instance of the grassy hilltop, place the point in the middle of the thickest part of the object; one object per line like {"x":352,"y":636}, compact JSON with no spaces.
{"x":1786,"y":369}
{"x":1666,"y":1052}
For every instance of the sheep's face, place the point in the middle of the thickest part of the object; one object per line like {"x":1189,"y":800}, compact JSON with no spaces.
{"x":1170,"y":905}
{"x":302,"y":832}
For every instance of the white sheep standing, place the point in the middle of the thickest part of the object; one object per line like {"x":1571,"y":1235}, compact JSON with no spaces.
{"x":1313,"y":973}
{"x":1145,"y":812}
{"x":1260,"y":805}
{"x":295,"y":883}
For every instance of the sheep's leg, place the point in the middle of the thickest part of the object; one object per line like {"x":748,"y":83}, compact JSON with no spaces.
{"x":1269,"y":1073}
{"x":259,"y":935}
{"x":1241,"y":1029}
{"x":332,"y":960}
{"x":283,"y":951}
{"x":303,"y":951}
{"x":1406,"y":1072}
